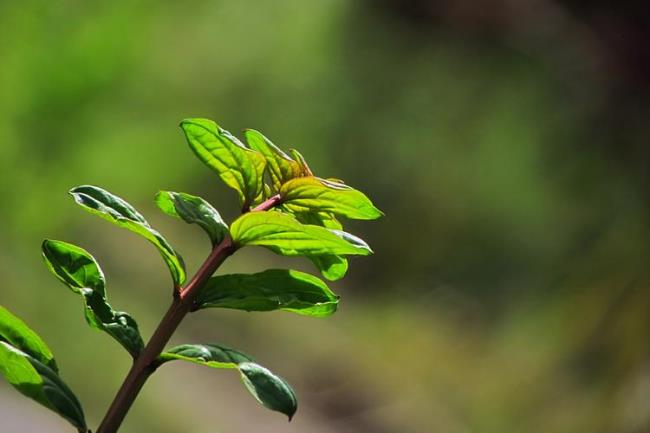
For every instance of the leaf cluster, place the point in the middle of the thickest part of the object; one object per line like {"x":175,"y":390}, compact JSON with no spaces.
{"x":285,"y":208}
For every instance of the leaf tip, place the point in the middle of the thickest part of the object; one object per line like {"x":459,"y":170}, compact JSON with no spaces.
{"x":198,"y":122}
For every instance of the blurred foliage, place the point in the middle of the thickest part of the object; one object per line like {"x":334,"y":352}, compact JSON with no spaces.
{"x":506,"y":142}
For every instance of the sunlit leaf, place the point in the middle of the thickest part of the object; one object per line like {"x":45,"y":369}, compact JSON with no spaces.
{"x":283,"y":234}
{"x":304,"y":167}
{"x":280,"y":165}
{"x":270,"y":390}
{"x":28,"y":365}
{"x":273,"y":289}
{"x":15,"y":332}
{"x":114,"y":209}
{"x":239,"y":167}
{"x":305,"y":194}
{"x":331,"y":266}
{"x":78,"y":270}
{"x":192,"y":209}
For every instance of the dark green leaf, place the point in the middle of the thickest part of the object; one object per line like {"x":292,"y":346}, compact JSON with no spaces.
{"x":270,"y":390}
{"x":239,"y":167}
{"x":114,"y":209}
{"x":311,"y":194}
{"x":281,"y":166}
{"x":192,"y":209}
{"x":78,"y":270}
{"x":283,"y":234}
{"x":274,"y":289}
{"x":22,"y":354}
{"x":15,"y":332}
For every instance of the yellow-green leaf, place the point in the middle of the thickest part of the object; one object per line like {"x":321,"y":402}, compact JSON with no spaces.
{"x":239,"y":167}
{"x":283,"y":234}
{"x":312,"y":194}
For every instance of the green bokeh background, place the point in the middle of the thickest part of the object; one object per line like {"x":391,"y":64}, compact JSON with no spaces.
{"x":507,"y":145}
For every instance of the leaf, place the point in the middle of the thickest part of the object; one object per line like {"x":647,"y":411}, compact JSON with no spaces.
{"x":78,"y":270}
{"x":114,"y":209}
{"x":306,"y":194}
{"x":283,"y":234}
{"x":304,"y":167}
{"x":15,"y":332}
{"x":273,"y":289}
{"x":192,"y":209}
{"x":270,"y":390}
{"x":21,"y":364}
{"x":239,"y":167}
{"x":331,"y":266}
{"x":281,"y":166}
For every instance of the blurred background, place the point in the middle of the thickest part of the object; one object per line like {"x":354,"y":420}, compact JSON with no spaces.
{"x":506,"y":142}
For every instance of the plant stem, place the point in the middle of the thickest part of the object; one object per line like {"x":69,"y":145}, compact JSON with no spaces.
{"x":268,"y":203}
{"x":145,"y":364}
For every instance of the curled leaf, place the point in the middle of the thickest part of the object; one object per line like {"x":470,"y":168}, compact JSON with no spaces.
{"x":193,"y":210}
{"x":269,"y":389}
{"x":78,"y":270}
{"x":112,"y":208}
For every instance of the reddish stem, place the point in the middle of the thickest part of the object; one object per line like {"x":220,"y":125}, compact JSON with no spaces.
{"x":182,"y":304}
{"x":268,"y":203}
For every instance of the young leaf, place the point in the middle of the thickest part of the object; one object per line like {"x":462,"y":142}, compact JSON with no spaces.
{"x":305,"y":194}
{"x":27,"y":364}
{"x":304,"y":167}
{"x":78,"y":270}
{"x":15,"y":332}
{"x":270,"y":390}
{"x":273,"y":289}
{"x":331,"y":266}
{"x":192,"y":209}
{"x":281,"y":166}
{"x":114,"y":209}
{"x":283,"y":234}
{"x":239,"y":167}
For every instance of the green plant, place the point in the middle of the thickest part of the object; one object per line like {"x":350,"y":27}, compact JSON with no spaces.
{"x":285,"y":208}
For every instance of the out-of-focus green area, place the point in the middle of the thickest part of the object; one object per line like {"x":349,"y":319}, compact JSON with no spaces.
{"x":507,"y":144}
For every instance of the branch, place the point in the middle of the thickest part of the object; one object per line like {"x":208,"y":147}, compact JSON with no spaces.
{"x":144,"y":365}
{"x":182,"y":304}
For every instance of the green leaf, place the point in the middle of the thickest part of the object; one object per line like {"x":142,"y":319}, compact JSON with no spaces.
{"x":283,"y":234}
{"x":280,"y":165}
{"x":331,"y":266}
{"x":273,"y":289}
{"x":114,"y":209}
{"x":78,"y":270}
{"x":270,"y":390}
{"x":304,"y":167}
{"x":192,"y":209}
{"x":27,"y":364}
{"x":239,"y":167}
{"x":15,"y":332}
{"x":306,"y":194}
